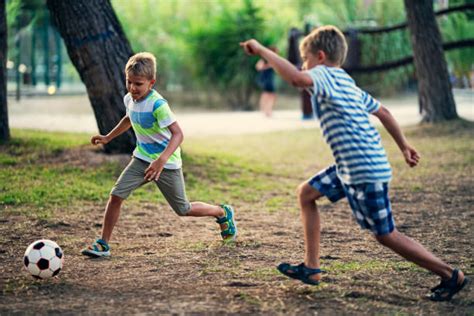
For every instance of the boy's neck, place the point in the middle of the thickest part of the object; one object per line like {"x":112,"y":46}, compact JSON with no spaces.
{"x":331,"y":64}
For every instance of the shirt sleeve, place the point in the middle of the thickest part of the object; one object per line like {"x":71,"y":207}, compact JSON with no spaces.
{"x":126,"y":100}
{"x":372,"y":105}
{"x":321,"y":84}
{"x":163,"y":114}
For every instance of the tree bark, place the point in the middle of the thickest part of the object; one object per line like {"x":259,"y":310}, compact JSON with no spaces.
{"x":434,"y":88}
{"x":99,"y":50}
{"x":4,"y":128}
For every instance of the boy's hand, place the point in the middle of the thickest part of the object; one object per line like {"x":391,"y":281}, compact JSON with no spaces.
{"x":411,"y":156}
{"x":252,"y":47}
{"x":99,"y":139}
{"x":154,"y":170}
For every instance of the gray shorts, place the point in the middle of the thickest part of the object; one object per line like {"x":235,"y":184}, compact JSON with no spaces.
{"x":170,"y":183}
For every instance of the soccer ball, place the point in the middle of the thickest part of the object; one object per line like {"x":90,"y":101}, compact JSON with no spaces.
{"x":43,"y":259}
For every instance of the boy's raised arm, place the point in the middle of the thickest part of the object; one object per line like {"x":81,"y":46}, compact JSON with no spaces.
{"x":119,"y":129}
{"x":282,"y":66}
{"x":391,"y":125}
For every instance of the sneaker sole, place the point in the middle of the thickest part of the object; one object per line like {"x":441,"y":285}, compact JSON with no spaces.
{"x":95,"y":254}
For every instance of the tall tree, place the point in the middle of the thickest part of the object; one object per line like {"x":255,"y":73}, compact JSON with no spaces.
{"x":434,"y":88}
{"x":4,"y":129}
{"x":99,"y":50}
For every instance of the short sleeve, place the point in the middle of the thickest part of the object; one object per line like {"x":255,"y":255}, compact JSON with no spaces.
{"x":126,"y":102}
{"x":163,"y":114}
{"x":372,"y":105}
{"x":321,"y":83}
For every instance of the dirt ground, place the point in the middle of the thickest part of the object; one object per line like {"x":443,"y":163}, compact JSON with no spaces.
{"x":165,"y":264}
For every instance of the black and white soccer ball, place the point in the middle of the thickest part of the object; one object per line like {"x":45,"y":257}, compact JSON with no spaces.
{"x":43,"y":259}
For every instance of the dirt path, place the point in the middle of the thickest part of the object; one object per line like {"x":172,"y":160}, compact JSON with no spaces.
{"x":74,"y":114}
{"x":164,"y":264}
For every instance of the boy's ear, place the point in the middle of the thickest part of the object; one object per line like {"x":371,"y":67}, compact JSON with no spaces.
{"x":321,"y":55}
{"x":153,"y":81}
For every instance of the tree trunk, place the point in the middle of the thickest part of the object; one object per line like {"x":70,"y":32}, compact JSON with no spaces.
{"x":4,"y":129}
{"x":99,"y":50}
{"x":434,"y":88}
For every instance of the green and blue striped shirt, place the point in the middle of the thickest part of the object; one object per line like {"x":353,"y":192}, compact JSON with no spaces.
{"x":150,"y":119}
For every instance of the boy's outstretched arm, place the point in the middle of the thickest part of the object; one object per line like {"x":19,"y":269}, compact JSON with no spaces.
{"x":119,"y":129}
{"x":282,"y":66}
{"x":154,"y":169}
{"x":386,"y":118}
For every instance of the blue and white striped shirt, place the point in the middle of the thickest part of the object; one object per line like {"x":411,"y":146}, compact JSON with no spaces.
{"x":343,"y":110}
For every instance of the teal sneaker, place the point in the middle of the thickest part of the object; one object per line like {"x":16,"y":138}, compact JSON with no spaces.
{"x":99,"y":248}
{"x":227,"y":223}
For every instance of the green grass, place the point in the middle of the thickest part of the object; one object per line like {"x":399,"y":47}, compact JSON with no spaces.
{"x":259,"y":169}
{"x":27,"y":180}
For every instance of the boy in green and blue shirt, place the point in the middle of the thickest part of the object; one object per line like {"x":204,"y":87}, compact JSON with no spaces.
{"x":157,"y":156}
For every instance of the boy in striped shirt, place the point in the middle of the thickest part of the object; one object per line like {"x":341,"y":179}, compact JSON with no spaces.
{"x":361,"y":172}
{"x":157,"y":156}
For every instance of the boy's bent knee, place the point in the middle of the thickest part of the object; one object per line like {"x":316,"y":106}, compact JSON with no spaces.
{"x":306,"y":193}
{"x":182,"y":209}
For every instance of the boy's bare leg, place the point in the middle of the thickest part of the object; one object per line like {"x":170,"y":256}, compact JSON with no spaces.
{"x":111,"y":215}
{"x":271,"y":97}
{"x":267,"y":99}
{"x":203,"y":209}
{"x":416,"y":253}
{"x":307,"y":197}
{"x":262,"y":103}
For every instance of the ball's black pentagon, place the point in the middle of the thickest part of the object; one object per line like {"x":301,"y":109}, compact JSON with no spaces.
{"x":59,"y":253}
{"x":43,"y":264}
{"x":26,"y":261}
{"x":38,"y":245}
{"x":56,"y":272}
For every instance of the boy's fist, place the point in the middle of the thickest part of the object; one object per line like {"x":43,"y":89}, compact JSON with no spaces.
{"x":411,"y":156}
{"x":99,"y":139}
{"x":251,"y":47}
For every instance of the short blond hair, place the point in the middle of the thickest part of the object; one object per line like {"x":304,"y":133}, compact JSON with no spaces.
{"x":142,"y":64}
{"x":330,"y":40}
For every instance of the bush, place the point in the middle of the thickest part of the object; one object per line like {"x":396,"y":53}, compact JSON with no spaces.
{"x":220,"y":60}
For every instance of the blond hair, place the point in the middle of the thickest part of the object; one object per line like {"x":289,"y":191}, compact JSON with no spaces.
{"x":330,"y":40}
{"x":142,"y":64}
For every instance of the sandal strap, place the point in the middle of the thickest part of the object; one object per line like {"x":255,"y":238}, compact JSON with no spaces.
{"x":221,"y":220}
{"x":454,"y":279}
{"x":230,"y":230}
{"x":299,"y":269}
{"x":308,"y":271}
{"x":447,"y":283}
{"x":447,"y":288}
{"x":102,"y":243}
{"x":299,"y":272}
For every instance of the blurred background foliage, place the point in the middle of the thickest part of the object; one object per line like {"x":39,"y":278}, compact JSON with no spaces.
{"x":196,"y":41}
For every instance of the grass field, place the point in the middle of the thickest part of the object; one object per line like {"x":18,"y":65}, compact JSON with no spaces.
{"x":55,"y":185}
